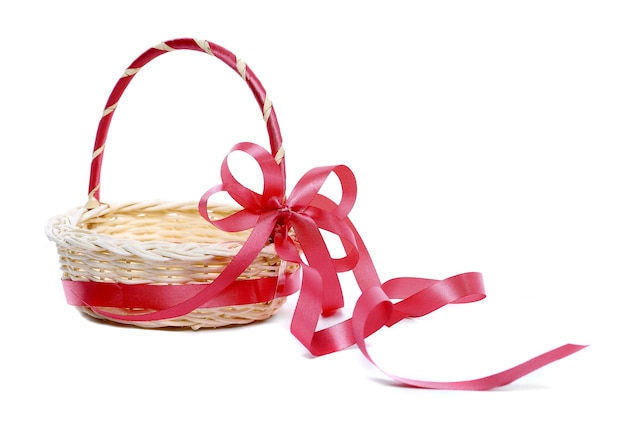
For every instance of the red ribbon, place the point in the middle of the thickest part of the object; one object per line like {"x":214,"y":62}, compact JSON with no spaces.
{"x":157,"y":297}
{"x":295,"y":223}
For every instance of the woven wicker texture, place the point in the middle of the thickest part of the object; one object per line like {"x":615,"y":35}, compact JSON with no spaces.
{"x":162,"y":243}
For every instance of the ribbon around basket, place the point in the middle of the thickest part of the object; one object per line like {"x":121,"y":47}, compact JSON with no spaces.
{"x":294,"y":223}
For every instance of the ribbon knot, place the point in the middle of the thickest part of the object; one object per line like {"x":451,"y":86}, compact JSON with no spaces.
{"x":293,"y":222}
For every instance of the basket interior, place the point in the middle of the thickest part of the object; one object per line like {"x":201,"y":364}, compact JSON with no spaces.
{"x":181,"y":225}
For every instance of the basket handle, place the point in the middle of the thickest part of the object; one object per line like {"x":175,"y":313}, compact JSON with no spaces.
{"x":207,"y":47}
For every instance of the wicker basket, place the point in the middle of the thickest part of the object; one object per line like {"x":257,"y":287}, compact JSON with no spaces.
{"x":157,"y":245}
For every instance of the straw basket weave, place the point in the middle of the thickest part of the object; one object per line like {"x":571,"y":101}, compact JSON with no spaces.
{"x":163,"y":243}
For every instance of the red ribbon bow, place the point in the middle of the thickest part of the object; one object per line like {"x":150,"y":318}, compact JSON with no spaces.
{"x":294,"y":223}
{"x":301,"y":216}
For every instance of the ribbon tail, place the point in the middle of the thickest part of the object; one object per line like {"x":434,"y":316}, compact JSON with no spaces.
{"x":319,"y":259}
{"x":419,"y":297}
{"x":496,"y":380}
{"x":306,"y":316}
{"x":374,"y":309}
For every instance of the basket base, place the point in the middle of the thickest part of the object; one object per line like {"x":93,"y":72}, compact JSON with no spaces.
{"x":200,"y":318}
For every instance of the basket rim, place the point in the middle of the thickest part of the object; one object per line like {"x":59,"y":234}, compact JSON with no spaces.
{"x":64,"y":231}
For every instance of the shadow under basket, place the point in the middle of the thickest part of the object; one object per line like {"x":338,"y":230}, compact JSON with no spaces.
{"x":160,"y":243}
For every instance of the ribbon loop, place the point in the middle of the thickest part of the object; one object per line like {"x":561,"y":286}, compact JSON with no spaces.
{"x":297,"y":221}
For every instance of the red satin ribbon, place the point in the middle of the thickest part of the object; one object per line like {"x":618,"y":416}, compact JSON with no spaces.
{"x":158,"y":297}
{"x":301,"y":216}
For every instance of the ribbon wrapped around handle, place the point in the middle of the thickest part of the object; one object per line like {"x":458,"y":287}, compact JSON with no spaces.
{"x":294,"y":223}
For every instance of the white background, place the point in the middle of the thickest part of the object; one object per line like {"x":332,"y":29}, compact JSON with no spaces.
{"x":485,"y":136}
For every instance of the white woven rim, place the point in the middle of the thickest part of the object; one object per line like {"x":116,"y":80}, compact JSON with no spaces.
{"x":158,"y":242}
